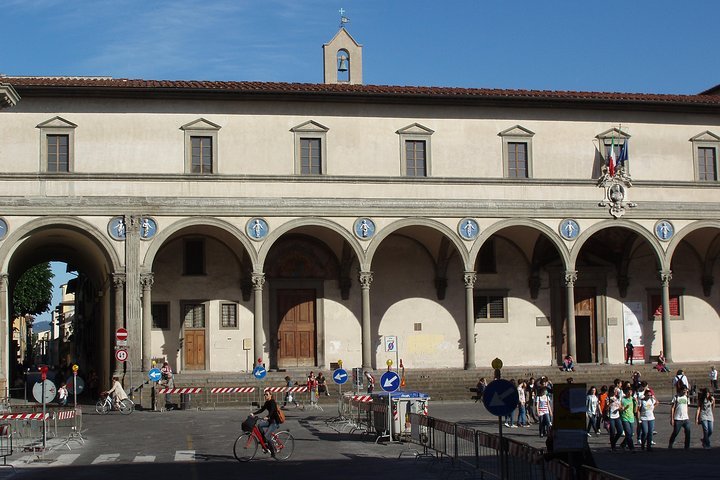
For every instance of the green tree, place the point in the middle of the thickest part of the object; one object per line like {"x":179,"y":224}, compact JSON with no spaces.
{"x":33,"y":292}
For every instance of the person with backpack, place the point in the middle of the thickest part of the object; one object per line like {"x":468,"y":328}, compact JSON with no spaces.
{"x":679,"y":418}
{"x":269,"y":424}
{"x":680,"y":381}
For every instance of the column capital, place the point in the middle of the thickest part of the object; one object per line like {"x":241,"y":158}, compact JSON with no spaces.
{"x":365,"y":279}
{"x":470,"y":278}
{"x":665,"y":276}
{"x":258,"y":280}
{"x":570,"y":278}
{"x":118,"y":280}
{"x":147,"y":280}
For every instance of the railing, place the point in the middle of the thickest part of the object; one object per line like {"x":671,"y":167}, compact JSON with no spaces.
{"x":469,"y":452}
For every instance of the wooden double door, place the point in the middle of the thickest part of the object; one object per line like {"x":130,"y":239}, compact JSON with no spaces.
{"x":296,"y":333}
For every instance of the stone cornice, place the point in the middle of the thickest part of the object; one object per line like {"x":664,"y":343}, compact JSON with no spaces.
{"x":296,"y":206}
{"x":339,"y":179}
{"x":8,"y":96}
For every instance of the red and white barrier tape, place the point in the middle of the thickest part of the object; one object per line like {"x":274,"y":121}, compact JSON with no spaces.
{"x":65,"y":414}
{"x":362,"y":398}
{"x":24,"y":416}
{"x":286,"y":389}
{"x":180,"y":390}
{"x":232,"y":390}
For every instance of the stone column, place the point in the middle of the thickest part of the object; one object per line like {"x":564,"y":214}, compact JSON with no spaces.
{"x":470,"y":279}
{"x":258,"y":281}
{"x":133,"y":318}
{"x":5,"y":321}
{"x":146,"y":280}
{"x":665,"y":277}
{"x":366,"y":279}
{"x":570,"y":279}
{"x":118,"y":318}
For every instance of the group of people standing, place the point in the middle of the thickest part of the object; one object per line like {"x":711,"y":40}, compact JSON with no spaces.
{"x":627,"y":408}
{"x":534,"y":403}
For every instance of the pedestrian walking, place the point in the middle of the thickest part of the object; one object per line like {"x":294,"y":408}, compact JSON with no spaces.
{"x":680,"y":381}
{"x":679,"y":418}
{"x":629,"y":351}
{"x":627,"y":417}
{"x":289,"y":397}
{"x":704,"y":416}
{"x":592,"y":410}
{"x":647,"y":419}
{"x":616,"y":427}
{"x":544,"y":412}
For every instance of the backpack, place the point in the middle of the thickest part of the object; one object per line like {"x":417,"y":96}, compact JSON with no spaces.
{"x":680,"y":383}
{"x":280,"y":416}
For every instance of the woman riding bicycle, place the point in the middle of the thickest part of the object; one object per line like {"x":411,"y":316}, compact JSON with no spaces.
{"x":270,"y":423}
{"x":117,"y":392}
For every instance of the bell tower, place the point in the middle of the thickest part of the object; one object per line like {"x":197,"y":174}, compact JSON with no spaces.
{"x":342,"y":58}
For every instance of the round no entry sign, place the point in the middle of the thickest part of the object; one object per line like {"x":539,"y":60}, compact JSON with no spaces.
{"x":121,"y":334}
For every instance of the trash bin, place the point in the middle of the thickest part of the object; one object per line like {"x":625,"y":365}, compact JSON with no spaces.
{"x":184,"y":401}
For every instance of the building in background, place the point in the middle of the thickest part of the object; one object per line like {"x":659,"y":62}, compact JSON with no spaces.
{"x":306,"y":223}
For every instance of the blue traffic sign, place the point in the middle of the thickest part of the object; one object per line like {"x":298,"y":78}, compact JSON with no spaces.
{"x":340,"y":376}
{"x":259,"y":372}
{"x":154,"y":374}
{"x":390,"y":381}
{"x":500,"y":397}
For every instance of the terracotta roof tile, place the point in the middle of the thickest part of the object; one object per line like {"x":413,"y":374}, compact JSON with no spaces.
{"x":29,"y":83}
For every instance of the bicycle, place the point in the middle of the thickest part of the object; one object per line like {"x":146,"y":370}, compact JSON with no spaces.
{"x":246,"y":445}
{"x":103,"y":406}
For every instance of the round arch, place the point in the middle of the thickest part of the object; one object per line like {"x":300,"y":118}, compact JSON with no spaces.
{"x":549,"y":233}
{"x":632,"y":226}
{"x":415,"y":222}
{"x":12,"y":241}
{"x":687,"y":230}
{"x":277,"y":233}
{"x":166,"y":233}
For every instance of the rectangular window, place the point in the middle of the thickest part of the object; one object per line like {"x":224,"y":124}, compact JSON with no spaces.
{"x":194,"y":257}
{"x":656,"y":306}
{"x":160,"y":316}
{"x":415,"y":158}
{"x":58,"y":153}
{"x":193,"y":315}
{"x":517,"y":160}
{"x":202,"y":154}
{"x":310,"y":156}
{"x":707,"y":164}
{"x":489,"y":307}
{"x":228,"y":315}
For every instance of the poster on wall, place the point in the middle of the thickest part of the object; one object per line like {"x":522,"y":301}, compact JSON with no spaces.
{"x":632,"y":313}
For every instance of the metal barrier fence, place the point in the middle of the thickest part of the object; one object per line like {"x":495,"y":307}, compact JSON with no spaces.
{"x":184,"y":397}
{"x":471,"y":453}
{"x":68,"y":425}
{"x":227,"y":395}
{"x":26,"y":429}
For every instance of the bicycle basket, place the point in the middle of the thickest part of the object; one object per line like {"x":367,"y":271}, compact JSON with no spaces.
{"x":248,"y":424}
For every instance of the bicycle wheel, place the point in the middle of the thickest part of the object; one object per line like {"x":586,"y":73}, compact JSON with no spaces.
{"x":126,"y":406}
{"x":245,"y":447}
{"x":101,"y":407}
{"x":284,"y":444}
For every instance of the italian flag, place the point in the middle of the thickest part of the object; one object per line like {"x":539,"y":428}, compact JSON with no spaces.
{"x":611,"y":159}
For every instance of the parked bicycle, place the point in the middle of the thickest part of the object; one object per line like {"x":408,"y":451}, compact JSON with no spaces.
{"x":247,"y":444}
{"x":106,"y":404}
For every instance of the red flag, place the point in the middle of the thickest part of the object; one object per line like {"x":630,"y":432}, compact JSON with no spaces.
{"x":611,"y":159}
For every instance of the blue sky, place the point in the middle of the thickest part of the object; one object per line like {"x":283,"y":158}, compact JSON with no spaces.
{"x":653,"y":46}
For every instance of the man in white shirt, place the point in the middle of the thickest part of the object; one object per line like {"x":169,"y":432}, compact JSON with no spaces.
{"x":679,"y":380}
{"x":679,"y":417}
